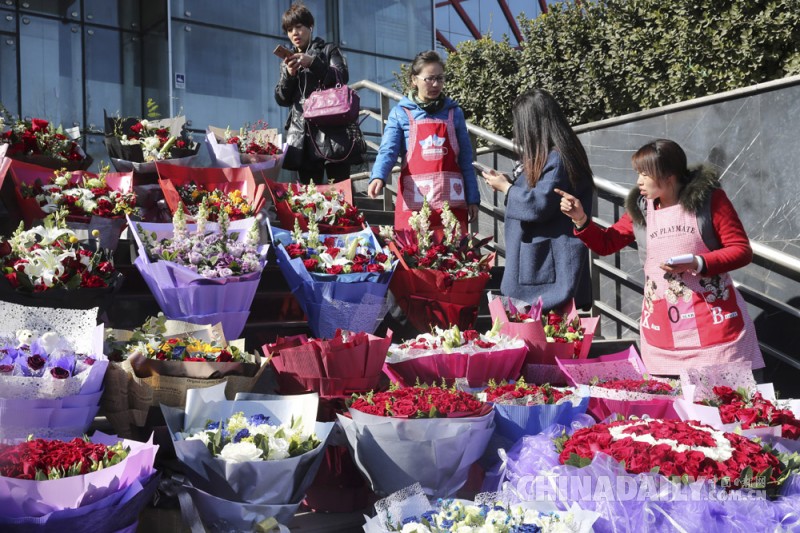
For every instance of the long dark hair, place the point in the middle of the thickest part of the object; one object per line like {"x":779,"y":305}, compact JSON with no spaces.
{"x":661,"y":159}
{"x":540,"y":127}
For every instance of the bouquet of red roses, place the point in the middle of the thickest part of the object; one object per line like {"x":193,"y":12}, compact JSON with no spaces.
{"x":443,"y":273}
{"x":37,"y":141}
{"x":431,"y":435}
{"x":330,"y":206}
{"x":683,"y":474}
{"x":525,"y":409}
{"x":97,"y":484}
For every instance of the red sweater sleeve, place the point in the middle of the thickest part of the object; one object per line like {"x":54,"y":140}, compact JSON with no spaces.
{"x":736,"y":251}
{"x":606,"y":241}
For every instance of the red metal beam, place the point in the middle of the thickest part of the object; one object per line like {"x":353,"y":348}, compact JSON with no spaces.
{"x":444,"y":42}
{"x":464,"y":17}
{"x":543,"y":5}
{"x":512,"y":23}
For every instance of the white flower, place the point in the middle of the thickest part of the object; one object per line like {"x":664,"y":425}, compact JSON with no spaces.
{"x":203,"y":436}
{"x":415,"y":527}
{"x":241,"y":452}
{"x":45,"y":265}
{"x":48,"y":235}
{"x":278,"y":449}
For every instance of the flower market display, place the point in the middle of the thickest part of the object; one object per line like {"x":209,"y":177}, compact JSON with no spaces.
{"x":431,"y":435}
{"x":47,"y":265}
{"x":51,"y":371}
{"x":329,"y":206}
{"x":233,"y":190}
{"x":348,"y":362}
{"x":340,"y":281}
{"x":256,"y":464}
{"x":408,"y":511}
{"x":80,"y":485}
{"x":161,"y":360}
{"x":254,"y":146}
{"x":39,"y":142}
{"x":443,"y":273}
{"x":202,"y":273}
{"x":549,"y":336}
{"x":619,"y":384}
{"x":668,"y":475}
{"x":136,"y":144}
{"x":452,"y":353}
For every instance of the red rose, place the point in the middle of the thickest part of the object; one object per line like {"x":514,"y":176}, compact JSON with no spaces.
{"x":374,"y":267}
{"x":224,"y":356}
{"x":310,"y":264}
{"x":35,"y":362}
{"x":59,"y":373}
{"x":334,"y":269}
{"x":38,"y":124}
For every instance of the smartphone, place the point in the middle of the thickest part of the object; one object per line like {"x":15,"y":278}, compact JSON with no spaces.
{"x":282,"y":52}
{"x":680,"y":259}
{"x":480,"y":167}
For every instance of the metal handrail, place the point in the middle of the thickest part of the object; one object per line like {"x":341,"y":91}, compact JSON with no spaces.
{"x":763,"y":255}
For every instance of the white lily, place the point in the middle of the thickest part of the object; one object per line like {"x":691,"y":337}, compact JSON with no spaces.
{"x":46,"y":235}
{"x":45,"y":265}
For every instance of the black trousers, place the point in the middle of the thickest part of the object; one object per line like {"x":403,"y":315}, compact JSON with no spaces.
{"x":315,"y":171}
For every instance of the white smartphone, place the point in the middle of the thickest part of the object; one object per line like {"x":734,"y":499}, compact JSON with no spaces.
{"x":480,"y":167}
{"x":684,"y":259}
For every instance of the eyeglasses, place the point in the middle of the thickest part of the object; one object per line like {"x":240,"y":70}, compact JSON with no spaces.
{"x":430,"y":80}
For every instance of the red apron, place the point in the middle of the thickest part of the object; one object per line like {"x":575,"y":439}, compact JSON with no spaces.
{"x":689,"y":320}
{"x":431,"y":171}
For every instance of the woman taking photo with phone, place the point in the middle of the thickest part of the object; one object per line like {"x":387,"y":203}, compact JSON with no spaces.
{"x":543,"y":257}
{"x":689,"y":238}
{"x":312,"y":150}
{"x":428,"y":130}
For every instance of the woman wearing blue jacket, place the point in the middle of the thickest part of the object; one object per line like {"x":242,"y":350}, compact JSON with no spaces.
{"x":429,"y":131}
{"x":543,"y":256}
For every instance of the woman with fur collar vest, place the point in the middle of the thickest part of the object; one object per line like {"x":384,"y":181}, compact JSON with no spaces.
{"x":692,"y":315}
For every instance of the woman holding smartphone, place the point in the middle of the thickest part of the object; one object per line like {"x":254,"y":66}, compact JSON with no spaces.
{"x":543,"y":257}
{"x":311,"y":64}
{"x":429,"y":131}
{"x":689,"y":238}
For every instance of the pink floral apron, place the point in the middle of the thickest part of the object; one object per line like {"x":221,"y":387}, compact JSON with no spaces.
{"x":689,"y":320}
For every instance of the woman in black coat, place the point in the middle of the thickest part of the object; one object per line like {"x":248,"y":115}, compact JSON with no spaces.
{"x":312,"y":150}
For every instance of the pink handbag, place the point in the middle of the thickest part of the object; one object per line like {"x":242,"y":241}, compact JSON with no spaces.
{"x":336,"y":106}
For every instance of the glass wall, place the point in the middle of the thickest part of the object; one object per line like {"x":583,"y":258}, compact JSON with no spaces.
{"x":71,"y":61}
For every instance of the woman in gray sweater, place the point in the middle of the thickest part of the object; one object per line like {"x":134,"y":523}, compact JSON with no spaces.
{"x":543,"y":256}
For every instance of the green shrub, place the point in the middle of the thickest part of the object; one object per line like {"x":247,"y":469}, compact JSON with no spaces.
{"x":611,"y":57}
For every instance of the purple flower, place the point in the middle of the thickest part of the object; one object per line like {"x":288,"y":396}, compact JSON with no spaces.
{"x":258,"y":420}
{"x":213,"y":425}
{"x":243,"y":433}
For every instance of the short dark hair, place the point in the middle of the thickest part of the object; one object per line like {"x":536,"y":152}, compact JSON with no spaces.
{"x":421,"y":60}
{"x":661,"y":159}
{"x":297,"y":14}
